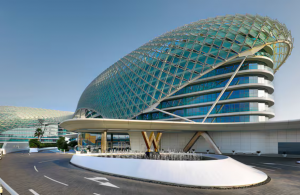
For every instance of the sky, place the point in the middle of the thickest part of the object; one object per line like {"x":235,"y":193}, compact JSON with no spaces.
{"x":50,"y":50}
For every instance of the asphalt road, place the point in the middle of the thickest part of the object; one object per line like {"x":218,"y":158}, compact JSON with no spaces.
{"x":51,"y":173}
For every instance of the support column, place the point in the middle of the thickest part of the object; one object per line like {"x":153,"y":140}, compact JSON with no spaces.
{"x":103,"y":141}
{"x":211,"y":142}
{"x":207,"y":138}
{"x":79,"y":139}
{"x":152,"y":139}
{"x":192,"y":141}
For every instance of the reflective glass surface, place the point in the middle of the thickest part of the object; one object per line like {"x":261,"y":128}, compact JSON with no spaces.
{"x":234,"y":119}
{"x":20,"y":123}
{"x":114,"y":140}
{"x":233,"y":67}
{"x":239,"y":80}
{"x":243,"y":93}
{"x":202,"y":110}
{"x":169,"y":62}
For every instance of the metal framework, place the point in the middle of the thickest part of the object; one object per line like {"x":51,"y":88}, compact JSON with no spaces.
{"x":224,"y":89}
{"x":14,"y":118}
{"x":171,"y":114}
{"x":173,"y":60}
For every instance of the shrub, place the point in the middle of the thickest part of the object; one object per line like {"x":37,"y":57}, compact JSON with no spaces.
{"x":73,"y":143}
{"x":34,"y":143}
{"x":45,"y":145}
{"x":60,"y":142}
{"x":65,"y":146}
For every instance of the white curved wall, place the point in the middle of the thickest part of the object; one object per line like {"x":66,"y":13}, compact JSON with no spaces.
{"x":9,"y":147}
{"x":223,"y":172}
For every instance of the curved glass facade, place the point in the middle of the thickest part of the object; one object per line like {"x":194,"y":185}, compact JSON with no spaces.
{"x":187,"y":101}
{"x":239,"y":80}
{"x":189,"y":62}
{"x":211,"y":97}
{"x":231,"y":68}
{"x":202,"y":110}
{"x":20,"y":123}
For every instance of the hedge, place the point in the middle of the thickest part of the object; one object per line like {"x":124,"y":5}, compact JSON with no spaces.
{"x":35,"y":143}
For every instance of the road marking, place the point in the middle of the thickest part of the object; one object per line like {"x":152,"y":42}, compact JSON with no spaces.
{"x":106,"y":183}
{"x":35,"y":169}
{"x":56,"y":181}
{"x":47,"y":161}
{"x":33,"y":192}
{"x":281,"y":165}
{"x":96,"y":194}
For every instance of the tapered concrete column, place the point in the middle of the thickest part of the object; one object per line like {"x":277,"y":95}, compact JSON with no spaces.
{"x":206,"y":137}
{"x":103,"y":141}
{"x":211,"y":143}
{"x":79,"y":138}
{"x":192,"y":141}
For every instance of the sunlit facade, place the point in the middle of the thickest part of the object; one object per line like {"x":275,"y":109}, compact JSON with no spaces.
{"x":183,"y":72}
{"x":18,"y":124}
{"x":217,"y":70}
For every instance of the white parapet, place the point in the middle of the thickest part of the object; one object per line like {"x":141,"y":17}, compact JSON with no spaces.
{"x":48,"y":148}
{"x":221,"y":172}
{"x":33,"y":150}
{"x":9,"y":147}
{"x":41,"y":149}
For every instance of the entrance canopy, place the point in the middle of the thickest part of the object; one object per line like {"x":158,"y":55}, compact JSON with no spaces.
{"x":120,"y":125}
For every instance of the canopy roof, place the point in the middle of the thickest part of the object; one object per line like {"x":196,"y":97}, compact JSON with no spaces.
{"x":120,"y":125}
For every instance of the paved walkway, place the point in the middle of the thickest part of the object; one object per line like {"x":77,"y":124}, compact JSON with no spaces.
{"x":51,"y":173}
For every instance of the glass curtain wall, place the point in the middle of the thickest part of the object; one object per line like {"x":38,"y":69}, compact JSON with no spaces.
{"x":195,"y":100}
{"x":115,"y":141}
{"x":200,"y":50}
{"x":18,"y":124}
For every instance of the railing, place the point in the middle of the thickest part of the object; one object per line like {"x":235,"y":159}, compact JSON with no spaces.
{"x":8,"y":188}
{"x":269,"y":83}
{"x":264,"y":54}
{"x":231,"y":69}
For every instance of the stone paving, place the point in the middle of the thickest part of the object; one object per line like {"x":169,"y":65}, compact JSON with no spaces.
{"x":17,"y":170}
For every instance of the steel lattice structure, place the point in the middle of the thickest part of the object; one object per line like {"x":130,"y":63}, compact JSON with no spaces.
{"x":12,"y":117}
{"x":161,"y":67}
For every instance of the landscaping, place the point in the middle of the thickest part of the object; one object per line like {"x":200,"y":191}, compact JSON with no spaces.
{"x":35,"y":143}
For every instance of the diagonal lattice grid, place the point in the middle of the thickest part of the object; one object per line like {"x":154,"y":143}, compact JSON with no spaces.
{"x":171,"y":61}
{"x":12,"y":117}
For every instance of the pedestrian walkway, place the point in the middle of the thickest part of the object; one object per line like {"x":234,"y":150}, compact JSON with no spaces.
{"x":264,"y":155}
